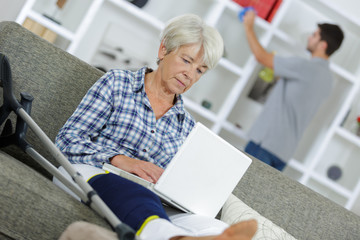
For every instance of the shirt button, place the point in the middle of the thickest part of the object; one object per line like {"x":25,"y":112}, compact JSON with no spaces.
{"x":152,"y":131}
{"x":144,"y":150}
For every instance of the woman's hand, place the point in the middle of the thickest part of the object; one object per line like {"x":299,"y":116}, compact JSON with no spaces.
{"x":143,"y":169}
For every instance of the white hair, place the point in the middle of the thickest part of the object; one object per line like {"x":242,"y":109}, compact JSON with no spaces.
{"x":191,"y":29}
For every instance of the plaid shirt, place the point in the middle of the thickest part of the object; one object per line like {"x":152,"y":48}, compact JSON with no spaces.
{"x":115,"y":117}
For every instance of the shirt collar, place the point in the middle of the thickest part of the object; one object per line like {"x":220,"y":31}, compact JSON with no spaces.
{"x":139,"y":78}
{"x":179,"y":105}
{"x":321,"y":60}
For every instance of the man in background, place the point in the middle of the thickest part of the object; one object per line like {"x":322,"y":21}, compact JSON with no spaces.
{"x":303,"y":85}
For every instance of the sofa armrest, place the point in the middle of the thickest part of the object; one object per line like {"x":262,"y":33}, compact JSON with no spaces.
{"x":235,"y":210}
{"x":56,"y":79}
{"x":297,"y":209}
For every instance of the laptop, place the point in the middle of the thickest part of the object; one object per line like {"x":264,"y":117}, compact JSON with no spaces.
{"x":201,"y":175}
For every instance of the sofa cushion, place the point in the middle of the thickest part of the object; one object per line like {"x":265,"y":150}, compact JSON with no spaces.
{"x":32,"y":207}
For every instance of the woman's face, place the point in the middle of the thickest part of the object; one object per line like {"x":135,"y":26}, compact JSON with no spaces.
{"x":182,"y":68}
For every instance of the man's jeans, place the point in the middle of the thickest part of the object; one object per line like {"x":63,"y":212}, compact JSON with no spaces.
{"x":260,"y":153}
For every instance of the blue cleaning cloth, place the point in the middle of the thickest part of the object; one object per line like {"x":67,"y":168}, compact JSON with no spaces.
{"x":243,"y":11}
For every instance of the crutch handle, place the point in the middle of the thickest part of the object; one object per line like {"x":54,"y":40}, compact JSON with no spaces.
{"x":19,"y":136}
{"x":9,"y":103}
{"x":21,"y":125}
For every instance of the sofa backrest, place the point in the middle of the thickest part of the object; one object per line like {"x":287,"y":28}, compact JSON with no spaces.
{"x":56,"y":79}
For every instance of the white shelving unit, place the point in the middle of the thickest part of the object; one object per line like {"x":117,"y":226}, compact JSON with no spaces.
{"x":116,"y":33}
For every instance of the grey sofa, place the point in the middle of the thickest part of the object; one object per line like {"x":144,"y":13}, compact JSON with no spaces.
{"x":32,"y":207}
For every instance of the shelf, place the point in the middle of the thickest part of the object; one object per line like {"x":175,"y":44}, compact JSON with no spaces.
{"x":235,"y":130}
{"x":337,"y":13}
{"x":233,"y":138}
{"x":225,"y":63}
{"x":213,"y":88}
{"x":35,"y":23}
{"x":165,"y":10}
{"x":348,"y":9}
{"x":294,"y":170}
{"x":232,"y":31}
{"x":343,"y":73}
{"x":350,"y":120}
{"x":245,"y":113}
{"x":348,"y":136}
{"x":198,"y":117}
{"x":327,"y":192}
{"x":233,"y":6}
{"x":58,"y":29}
{"x":316,"y":132}
{"x":283,"y":45}
{"x":335,"y":187}
{"x":110,"y":55}
{"x":318,"y":12}
{"x":70,"y":16}
{"x":115,"y":27}
{"x":300,"y":29}
{"x":246,"y":109}
{"x":200,"y":111}
{"x":344,"y":155}
{"x":137,"y":12}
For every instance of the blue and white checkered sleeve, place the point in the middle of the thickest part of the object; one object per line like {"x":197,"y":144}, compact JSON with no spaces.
{"x":74,"y":138}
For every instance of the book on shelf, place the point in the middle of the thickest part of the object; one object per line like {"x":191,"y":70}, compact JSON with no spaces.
{"x":265,"y":9}
{"x":39,"y":30}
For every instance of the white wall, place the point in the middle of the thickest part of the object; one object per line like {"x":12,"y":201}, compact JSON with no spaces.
{"x":350,"y":6}
{"x":9,"y":9}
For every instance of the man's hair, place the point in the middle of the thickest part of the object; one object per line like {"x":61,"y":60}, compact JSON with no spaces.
{"x":191,"y":29}
{"x":332,"y":35}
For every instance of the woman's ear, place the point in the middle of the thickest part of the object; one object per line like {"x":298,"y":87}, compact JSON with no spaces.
{"x":162,"y":51}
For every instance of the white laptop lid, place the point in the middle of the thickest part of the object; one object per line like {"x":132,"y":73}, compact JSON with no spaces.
{"x":203,"y":173}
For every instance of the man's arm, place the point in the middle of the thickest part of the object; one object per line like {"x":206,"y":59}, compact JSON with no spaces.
{"x":262,"y":56}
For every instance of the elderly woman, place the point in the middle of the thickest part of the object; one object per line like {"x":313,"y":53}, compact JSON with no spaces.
{"x":137,"y":121}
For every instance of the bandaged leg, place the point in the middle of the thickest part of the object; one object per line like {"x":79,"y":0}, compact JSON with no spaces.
{"x":142,"y":210}
{"x":131,"y":202}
